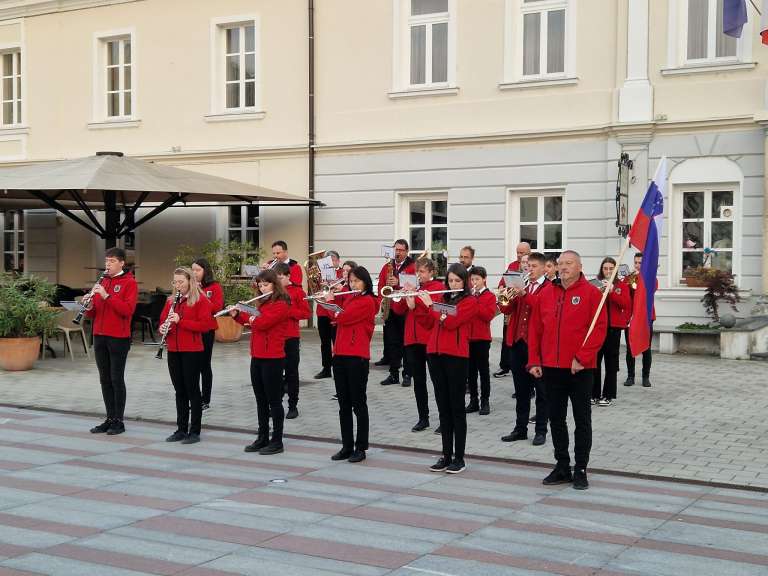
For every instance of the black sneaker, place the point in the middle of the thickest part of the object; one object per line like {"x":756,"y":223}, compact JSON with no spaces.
{"x":271,"y":448}
{"x":514,"y":436}
{"x":560,"y":475}
{"x":191,"y":439}
{"x":342,"y":455}
{"x":257,"y":444}
{"x":580,"y":481}
{"x":532,"y":419}
{"x":485,"y":408}
{"x":406,"y":380}
{"x":456,"y":467}
{"x":630,"y":381}
{"x":438,"y":431}
{"x":323,"y":374}
{"x":117,"y":427}
{"x":177,"y":436}
{"x":382,"y":362}
{"x":101,"y":428}
{"x":205,"y":406}
{"x":646,"y":382}
{"x":539,"y":439}
{"x":357,"y":456}
{"x":292,"y":413}
{"x":420,"y":425}
{"x":391,"y":379}
{"x":500,"y":373}
{"x":441,"y":465}
{"x":473,"y":406}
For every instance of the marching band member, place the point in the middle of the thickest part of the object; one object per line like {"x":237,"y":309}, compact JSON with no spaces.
{"x":213,"y":291}
{"x":522,"y":249}
{"x":325,"y":329}
{"x":480,"y":343}
{"x":269,"y":330}
{"x":550,"y":267}
{"x":184,"y":328}
{"x":111,"y":305}
{"x":448,"y":352}
{"x":618,"y":304}
{"x":467,"y":257}
{"x":280,"y":254}
{"x":561,"y":351}
{"x":417,"y":337}
{"x":647,"y":355}
{"x":351,"y":355}
{"x":517,"y":338}
{"x":394,"y":326}
{"x":299,"y":311}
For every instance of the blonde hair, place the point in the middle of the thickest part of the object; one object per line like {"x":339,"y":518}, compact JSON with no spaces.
{"x":194,"y":288}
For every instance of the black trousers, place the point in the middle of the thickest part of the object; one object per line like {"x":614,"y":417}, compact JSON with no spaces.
{"x":449,"y":377}
{"x":205,"y":365}
{"x":267,"y":383}
{"x":479,"y":352}
{"x":647,"y":357}
{"x":184,"y":368}
{"x":610,"y":353}
{"x":394,"y":334}
{"x":111,"y":355}
{"x":417,"y":364}
{"x":561,"y":386}
{"x":327,"y":332}
{"x":292,"y":357}
{"x":504,"y":356}
{"x":524,"y":385}
{"x":350,"y":374}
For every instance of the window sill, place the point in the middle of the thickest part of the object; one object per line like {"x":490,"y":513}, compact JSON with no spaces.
{"x":107,"y":124}
{"x":538,"y":83}
{"x":13,"y":129}
{"x":417,"y":92}
{"x":709,"y":67}
{"x":235,"y":116}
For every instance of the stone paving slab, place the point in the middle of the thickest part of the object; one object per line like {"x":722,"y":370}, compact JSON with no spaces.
{"x":703,"y":419}
{"x":386,"y":516}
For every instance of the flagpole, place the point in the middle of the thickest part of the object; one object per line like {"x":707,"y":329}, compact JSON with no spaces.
{"x":755,"y":7}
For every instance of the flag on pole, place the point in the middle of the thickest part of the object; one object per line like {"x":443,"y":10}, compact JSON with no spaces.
{"x":764,"y":23}
{"x":645,"y":235}
{"x":734,"y":17}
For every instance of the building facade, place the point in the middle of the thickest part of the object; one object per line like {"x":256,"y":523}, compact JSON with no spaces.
{"x":446,"y":122}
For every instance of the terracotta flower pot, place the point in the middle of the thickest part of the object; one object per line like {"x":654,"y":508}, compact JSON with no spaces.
{"x":228,"y":330}
{"x":695,"y":282}
{"x":18,"y":353}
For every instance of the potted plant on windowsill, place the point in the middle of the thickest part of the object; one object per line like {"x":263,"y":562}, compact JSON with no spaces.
{"x":700,"y":276}
{"x":25,"y":316}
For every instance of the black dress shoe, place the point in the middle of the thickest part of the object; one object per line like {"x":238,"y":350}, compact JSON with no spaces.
{"x":382,"y":362}
{"x":630,"y":381}
{"x":271,"y":448}
{"x":323,"y":374}
{"x":292,"y":413}
{"x":438,"y":431}
{"x":406,"y":380}
{"x":646,"y":382}
{"x":177,"y":436}
{"x":257,"y":444}
{"x":357,"y":456}
{"x":440,"y":465}
{"x":560,"y":475}
{"x":117,"y":427}
{"x":102,"y":428}
{"x":205,"y":406}
{"x":389,"y":380}
{"x":500,"y":373}
{"x":191,"y":439}
{"x":580,"y":481}
{"x":485,"y":408}
{"x":473,"y":406}
{"x":539,"y":439}
{"x":341,"y":455}
{"x":514,"y":436}
{"x":420,"y":425}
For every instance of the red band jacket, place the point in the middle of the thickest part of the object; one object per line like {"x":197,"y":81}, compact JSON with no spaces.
{"x":186,"y":335}
{"x":113,"y":316}
{"x":268,"y":331}
{"x":354,"y":326}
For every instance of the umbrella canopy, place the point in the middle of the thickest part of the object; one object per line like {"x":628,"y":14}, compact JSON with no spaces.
{"x":109,"y":179}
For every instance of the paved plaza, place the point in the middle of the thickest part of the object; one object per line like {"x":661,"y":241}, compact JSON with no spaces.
{"x":77,"y":504}
{"x":703,"y":419}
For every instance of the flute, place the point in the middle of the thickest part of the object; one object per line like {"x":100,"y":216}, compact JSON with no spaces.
{"x":242,"y":303}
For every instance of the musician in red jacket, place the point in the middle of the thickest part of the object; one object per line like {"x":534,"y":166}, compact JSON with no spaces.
{"x":280,"y":254}
{"x":269,"y":330}
{"x":480,"y":343}
{"x":299,"y":311}
{"x":619,"y":306}
{"x":213,"y":291}
{"x":351,"y":356}
{"x":184,"y":329}
{"x":648,"y":354}
{"x":519,"y":311}
{"x":416,"y":337}
{"x":110,"y":305}
{"x":325,"y":329}
{"x":448,"y":352}
{"x":521,"y":250}
{"x":563,"y":351}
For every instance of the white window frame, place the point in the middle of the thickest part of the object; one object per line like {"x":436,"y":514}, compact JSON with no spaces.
{"x":403,"y":219}
{"x":19,"y":229}
{"x":515,"y":11}
{"x":17,"y":88}
{"x":99,"y":114}
{"x":677,"y":43}
{"x":217,"y":109}
{"x":401,"y":57}
{"x":513,"y":212}
{"x":243,"y":229}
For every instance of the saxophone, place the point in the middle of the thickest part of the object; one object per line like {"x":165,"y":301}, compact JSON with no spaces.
{"x":386,"y":303}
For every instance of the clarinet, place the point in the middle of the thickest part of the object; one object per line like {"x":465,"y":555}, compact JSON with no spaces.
{"x":86,"y":301}
{"x":167,"y":325}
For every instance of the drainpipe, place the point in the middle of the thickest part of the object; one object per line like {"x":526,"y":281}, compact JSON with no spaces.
{"x":311,"y":118}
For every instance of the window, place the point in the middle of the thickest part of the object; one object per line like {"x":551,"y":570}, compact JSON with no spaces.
{"x":707,"y":223}
{"x":543,"y":37}
{"x":235,"y":57}
{"x":12,"y":224}
{"x":114,"y":79}
{"x":539,"y":221}
{"x":118,"y":76}
{"x":11,"y":88}
{"x":706,"y":40}
{"x":243,"y":225}
{"x":427,"y":228}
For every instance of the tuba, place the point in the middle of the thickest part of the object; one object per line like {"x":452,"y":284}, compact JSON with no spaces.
{"x":313,"y":273}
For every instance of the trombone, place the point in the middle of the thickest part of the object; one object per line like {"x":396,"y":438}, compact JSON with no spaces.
{"x":240,"y":304}
{"x":397,"y":295}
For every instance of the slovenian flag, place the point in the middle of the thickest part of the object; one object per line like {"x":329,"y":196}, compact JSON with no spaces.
{"x":734,"y":17}
{"x":645,"y":235}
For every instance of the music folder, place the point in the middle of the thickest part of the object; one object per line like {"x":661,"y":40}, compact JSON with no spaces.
{"x":335,"y":308}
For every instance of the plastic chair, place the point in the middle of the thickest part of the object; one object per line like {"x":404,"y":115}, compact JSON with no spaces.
{"x":65,"y":325}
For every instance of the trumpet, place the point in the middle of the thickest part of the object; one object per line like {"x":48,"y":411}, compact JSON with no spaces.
{"x":397,"y":295}
{"x":325,"y":290}
{"x":86,"y":301}
{"x":165,"y":327}
{"x":271,"y":264}
{"x":241,"y":303}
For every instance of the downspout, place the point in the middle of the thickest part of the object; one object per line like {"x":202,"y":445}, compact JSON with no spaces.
{"x":311,"y":133}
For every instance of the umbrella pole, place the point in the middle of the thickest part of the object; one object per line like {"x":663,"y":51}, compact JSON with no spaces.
{"x":111,"y":218}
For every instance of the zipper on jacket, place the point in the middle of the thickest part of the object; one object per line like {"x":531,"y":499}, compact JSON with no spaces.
{"x":353,"y":336}
{"x":559,"y":324}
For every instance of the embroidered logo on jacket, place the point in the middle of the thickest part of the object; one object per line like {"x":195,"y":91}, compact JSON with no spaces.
{"x":575,"y":300}
{"x":209,"y":293}
{"x":117,"y":288}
